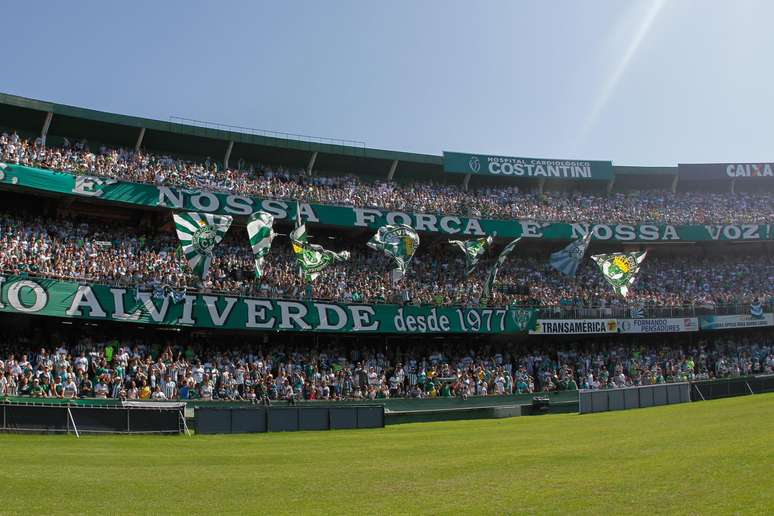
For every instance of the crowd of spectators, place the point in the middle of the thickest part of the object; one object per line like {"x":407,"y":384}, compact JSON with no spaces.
{"x":137,"y":370}
{"x":148,"y":258}
{"x":647,"y":206}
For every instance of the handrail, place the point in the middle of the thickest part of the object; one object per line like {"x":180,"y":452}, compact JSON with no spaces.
{"x":543,"y":311}
{"x":178,"y":120}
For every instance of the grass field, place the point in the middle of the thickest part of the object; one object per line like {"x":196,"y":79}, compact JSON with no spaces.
{"x":699,"y":458}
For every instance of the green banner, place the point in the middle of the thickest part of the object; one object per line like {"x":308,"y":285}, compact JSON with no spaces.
{"x":54,"y":298}
{"x":725,"y":171}
{"x":507,"y":166}
{"x":14,"y":176}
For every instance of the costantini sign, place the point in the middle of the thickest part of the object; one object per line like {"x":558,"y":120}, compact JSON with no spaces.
{"x":89,"y":187}
{"x":727,"y":171}
{"x":482,"y":164}
{"x":55,"y":298}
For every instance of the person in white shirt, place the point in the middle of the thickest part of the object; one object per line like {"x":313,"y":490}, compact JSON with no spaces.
{"x":170,"y":388}
{"x":70,"y":388}
{"x":206,"y":389}
{"x":133,"y":393}
{"x":82,"y":363}
{"x":198,"y":372}
{"x":158,"y":394}
{"x":101,"y":390}
{"x":500,"y":385}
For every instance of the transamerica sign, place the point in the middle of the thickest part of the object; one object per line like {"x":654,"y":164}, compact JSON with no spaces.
{"x":727,"y":171}
{"x":486,"y":165}
{"x":573,"y":326}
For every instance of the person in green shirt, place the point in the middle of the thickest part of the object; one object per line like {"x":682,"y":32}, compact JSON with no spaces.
{"x":109,"y":350}
{"x":429,"y":386}
{"x":446,"y":390}
{"x":45,"y":384}
{"x":36,"y":391}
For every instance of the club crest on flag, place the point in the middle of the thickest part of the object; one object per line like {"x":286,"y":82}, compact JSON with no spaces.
{"x":199,"y":233}
{"x":620,"y":269}
{"x":397,"y":241}
{"x":203,"y":240}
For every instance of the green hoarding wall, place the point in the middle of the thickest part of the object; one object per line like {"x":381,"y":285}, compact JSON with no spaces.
{"x":42,"y":296}
{"x":14,"y":176}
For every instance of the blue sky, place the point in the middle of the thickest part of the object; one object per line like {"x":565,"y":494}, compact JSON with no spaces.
{"x":640,"y":83}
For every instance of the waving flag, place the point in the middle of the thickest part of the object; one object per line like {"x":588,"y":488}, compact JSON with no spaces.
{"x":473,"y":249}
{"x":620,"y":269}
{"x":568,"y":259}
{"x":496,"y":267}
{"x":199,"y":233}
{"x":298,"y":235}
{"x":398,"y":241}
{"x":756,"y":309}
{"x":261,"y":233}
{"x":298,"y":238}
{"x":313,"y":259}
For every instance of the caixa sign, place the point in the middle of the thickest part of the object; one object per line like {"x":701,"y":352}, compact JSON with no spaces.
{"x":724,"y":171}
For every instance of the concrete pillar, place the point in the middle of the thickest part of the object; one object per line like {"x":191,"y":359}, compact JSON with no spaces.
{"x":541,"y":184}
{"x":140,"y":138}
{"x":310,"y":165}
{"x":733,"y":185}
{"x":465,"y":182}
{"x":46,"y":125}
{"x":674,"y":184}
{"x":610,"y":185}
{"x":228,"y":154}
{"x":393,"y":167}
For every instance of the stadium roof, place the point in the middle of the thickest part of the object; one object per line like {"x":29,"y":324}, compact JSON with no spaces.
{"x":199,"y":139}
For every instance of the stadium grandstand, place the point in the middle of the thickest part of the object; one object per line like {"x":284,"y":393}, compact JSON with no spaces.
{"x":407,"y":257}
{"x":101,"y":296}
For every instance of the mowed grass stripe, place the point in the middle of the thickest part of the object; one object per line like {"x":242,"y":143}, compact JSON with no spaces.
{"x":699,"y":458}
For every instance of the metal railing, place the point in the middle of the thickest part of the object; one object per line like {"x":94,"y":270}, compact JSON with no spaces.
{"x":543,"y":311}
{"x":648,"y":312}
{"x":178,"y":120}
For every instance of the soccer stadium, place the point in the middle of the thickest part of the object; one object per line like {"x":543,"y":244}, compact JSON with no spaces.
{"x":202,"y":317}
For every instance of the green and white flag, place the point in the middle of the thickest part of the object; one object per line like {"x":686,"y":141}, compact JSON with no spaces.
{"x":398,"y":241}
{"x":313,"y":259}
{"x":620,"y":269}
{"x":568,"y":259}
{"x":473,"y":249}
{"x":496,"y":267}
{"x":199,"y":233}
{"x":298,"y":235}
{"x":261,"y":233}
